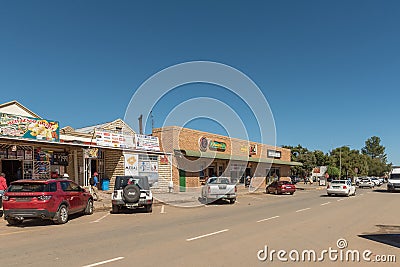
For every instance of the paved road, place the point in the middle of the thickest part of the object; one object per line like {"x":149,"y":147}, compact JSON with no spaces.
{"x":215,"y":235}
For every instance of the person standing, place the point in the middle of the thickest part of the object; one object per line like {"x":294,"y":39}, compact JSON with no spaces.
{"x":3,"y":183}
{"x":93,"y":183}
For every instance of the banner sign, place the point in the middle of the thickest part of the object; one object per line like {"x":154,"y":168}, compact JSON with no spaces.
{"x":26,"y":127}
{"x":131,"y":164}
{"x":146,"y":142}
{"x":219,"y":146}
{"x":113,"y":139}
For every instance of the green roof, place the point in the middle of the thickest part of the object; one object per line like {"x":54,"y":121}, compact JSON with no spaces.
{"x":216,"y":155}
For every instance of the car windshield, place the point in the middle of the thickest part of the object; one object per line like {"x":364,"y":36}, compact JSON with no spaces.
{"x":395,"y":176}
{"x":220,"y":180}
{"x":284,"y":182}
{"x":31,"y":187}
{"x":141,"y":181}
{"x":339,"y":182}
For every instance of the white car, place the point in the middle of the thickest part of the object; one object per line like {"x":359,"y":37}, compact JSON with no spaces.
{"x":341,"y":187}
{"x":376,"y":181}
{"x":366,"y":182}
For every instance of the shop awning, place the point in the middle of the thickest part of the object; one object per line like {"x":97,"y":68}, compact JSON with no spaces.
{"x":216,"y":155}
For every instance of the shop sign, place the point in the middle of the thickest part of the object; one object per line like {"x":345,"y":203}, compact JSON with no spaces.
{"x":131,"y":164}
{"x":273,"y":154}
{"x":252,"y":149}
{"x":113,"y":139}
{"x":203,"y":144}
{"x":26,"y":127}
{"x":28,"y":155}
{"x":60,"y":158}
{"x":244,"y":149}
{"x":91,"y":153}
{"x":164,"y":160}
{"x":146,"y":142}
{"x":219,"y":146}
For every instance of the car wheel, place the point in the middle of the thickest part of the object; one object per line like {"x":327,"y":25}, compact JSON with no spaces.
{"x":276,"y":191}
{"x":354,"y":192}
{"x":12,"y":221}
{"x":149,"y":208}
{"x":115,"y":209}
{"x":232,"y":201}
{"x":329,"y":194}
{"x":61,"y":215}
{"x":89,"y":207}
{"x":291,"y":193}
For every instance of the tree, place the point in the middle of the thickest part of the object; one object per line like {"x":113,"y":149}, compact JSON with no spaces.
{"x":333,"y":171}
{"x":321,"y":158}
{"x":303,"y":155}
{"x":374,"y":149}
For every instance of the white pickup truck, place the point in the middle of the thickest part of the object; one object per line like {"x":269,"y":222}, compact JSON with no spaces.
{"x":394,"y":180}
{"x":219,"y":188}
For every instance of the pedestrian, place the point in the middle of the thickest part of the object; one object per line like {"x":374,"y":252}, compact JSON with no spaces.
{"x":3,"y":183}
{"x":93,"y":184}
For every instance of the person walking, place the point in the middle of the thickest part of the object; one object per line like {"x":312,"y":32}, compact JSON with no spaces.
{"x":93,"y":184}
{"x":3,"y":183}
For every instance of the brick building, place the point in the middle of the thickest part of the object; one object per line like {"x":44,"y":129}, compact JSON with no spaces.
{"x":198,"y":155}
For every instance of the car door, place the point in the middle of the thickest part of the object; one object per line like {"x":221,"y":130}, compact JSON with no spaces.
{"x":71,"y":196}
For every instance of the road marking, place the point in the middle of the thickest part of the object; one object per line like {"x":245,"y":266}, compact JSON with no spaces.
{"x":162,"y":209}
{"x":303,"y":210}
{"x":263,"y":220}
{"x":104,"y":262}
{"x":256,"y":198}
{"x":325,"y":203}
{"x":341,"y":199}
{"x":198,"y":237}
{"x":98,"y":220}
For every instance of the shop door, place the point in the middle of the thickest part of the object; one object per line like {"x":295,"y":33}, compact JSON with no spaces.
{"x":12,"y":169}
{"x":182,"y":181}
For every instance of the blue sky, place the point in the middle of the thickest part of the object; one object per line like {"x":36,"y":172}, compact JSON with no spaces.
{"x":330,"y":70}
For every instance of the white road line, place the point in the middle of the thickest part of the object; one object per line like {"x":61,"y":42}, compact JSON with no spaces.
{"x":198,"y":237}
{"x":98,"y":220}
{"x":303,"y":210}
{"x":325,"y":203}
{"x":162,"y":209}
{"x":104,"y":262}
{"x":263,"y":220}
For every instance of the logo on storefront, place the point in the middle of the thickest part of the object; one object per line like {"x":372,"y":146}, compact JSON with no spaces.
{"x":203,"y":144}
{"x":219,"y":146}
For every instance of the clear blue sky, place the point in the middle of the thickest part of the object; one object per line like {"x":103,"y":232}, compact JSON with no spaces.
{"x":330,"y":70}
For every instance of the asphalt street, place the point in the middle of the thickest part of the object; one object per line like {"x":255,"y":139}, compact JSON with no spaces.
{"x":219,"y":234}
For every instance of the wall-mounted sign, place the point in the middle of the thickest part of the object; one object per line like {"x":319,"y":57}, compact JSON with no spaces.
{"x":273,"y":154}
{"x":91,"y":153}
{"x":26,"y":127}
{"x":203,"y":144}
{"x":131,"y":164}
{"x":146,"y":142}
{"x":219,"y":146}
{"x":252,"y":149}
{"x":244,"y":149}
{"x":164,"y":160}
{"x":60,"y":158}
{"x":114,"y":139}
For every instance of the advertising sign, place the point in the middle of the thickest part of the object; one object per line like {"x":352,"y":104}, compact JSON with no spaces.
{"x":113,"y":139}
{"x":60,"y":158}
{"x":26,"y":127}
{"x":219,"y":146}
{"x":274,"y":154}
{"x":131,"y":164}
{"x":148,"y":143}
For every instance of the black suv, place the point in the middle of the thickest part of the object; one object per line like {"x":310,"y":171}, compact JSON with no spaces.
{"x":132,"y":192}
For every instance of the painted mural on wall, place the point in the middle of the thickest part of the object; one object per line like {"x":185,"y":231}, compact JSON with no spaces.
{"x":26,"y":127}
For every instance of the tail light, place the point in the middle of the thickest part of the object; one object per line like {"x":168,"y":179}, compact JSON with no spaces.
{"x":43,"y":197}
{"x":5,"y":198}
{"x":344,"y":187}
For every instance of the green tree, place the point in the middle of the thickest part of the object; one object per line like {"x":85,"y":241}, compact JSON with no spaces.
{"x":321,"y":158}
{"x":333,"y":171}
{"x":374,"y":149}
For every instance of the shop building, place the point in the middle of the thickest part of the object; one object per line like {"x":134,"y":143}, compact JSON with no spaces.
{"x":35,"y":148}
{"x":198,"y":155}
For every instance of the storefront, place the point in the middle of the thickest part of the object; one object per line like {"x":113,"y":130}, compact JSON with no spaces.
{"x":199,"y":155}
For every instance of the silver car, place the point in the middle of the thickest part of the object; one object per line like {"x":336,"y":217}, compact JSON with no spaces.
{"x":366,"y":182}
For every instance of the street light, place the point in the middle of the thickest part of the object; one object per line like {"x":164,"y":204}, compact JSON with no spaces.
{"x":340,"y":161}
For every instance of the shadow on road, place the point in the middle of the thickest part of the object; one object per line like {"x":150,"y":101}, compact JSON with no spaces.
{"x":40,"y":222}
{"x":387,"y":234}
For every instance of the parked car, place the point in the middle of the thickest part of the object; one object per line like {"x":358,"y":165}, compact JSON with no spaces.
{"x":394,"y":180}
{"x":53,"y":199}
{"x":341,"y":187}
{"x":280,"y":187}
{"x":219,"y":188}
{"x":376,"y":181}
{"x":366,"y":182}
{"x":132,"y":192}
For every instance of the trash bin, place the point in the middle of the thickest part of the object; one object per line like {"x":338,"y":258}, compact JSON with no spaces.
{"x":105,"y":184}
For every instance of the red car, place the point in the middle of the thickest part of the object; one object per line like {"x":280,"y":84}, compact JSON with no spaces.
{"x":280,"y":187}
{"x":53,"y":199}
